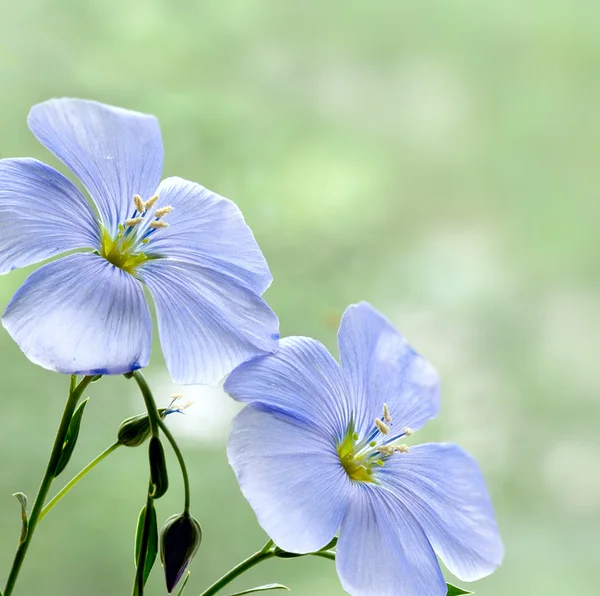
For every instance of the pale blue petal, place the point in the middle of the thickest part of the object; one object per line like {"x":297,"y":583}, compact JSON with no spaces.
{"x":208,"y":230}
{"x":443,"y":487}
{"x":208,"y":322}
{"x":116,"y":153}
{"x":382,"y":368}
{"x":42,"y":214}
{"x":301,"y":380}
{"x":382,"y":551}
{"x":292,"y":478}
{"x":81,"y":315}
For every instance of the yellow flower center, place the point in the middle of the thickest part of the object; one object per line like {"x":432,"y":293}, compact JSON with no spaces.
{"x":361,"y":456}
{"x":125,"y":251}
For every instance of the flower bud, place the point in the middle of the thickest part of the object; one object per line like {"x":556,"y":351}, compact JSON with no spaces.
{"x":134,"y":431}
{"x":179,"y":540}
{"x":159,"y":478}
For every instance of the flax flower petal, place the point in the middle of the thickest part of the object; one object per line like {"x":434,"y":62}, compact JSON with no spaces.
{"x":81,"y":315}
{"x":291,"y":476}
{"x":42,"y":214}
{"x":208,"y":322}
{"x":443,"y":487}
{"x":116,"y":153}
{"x":382,"y":550}
{"x":381,"y":367}
{"x":208,"y":230}
{"x":301,"y":380}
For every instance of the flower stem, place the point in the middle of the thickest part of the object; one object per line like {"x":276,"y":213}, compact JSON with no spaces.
{"x":157,"y":422}
{"x":72,"y":401}
{"x":76,"y":479}
{"x":153,"y":414}
{"x":268,"y":551}
{"x":255,"y":559}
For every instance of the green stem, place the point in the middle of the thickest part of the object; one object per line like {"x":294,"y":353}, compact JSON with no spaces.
{"x":155,"y":422}
{"x":268,"y":551}
{"x":72,"y":401}
{"x":255,"y":559}
{"x":153,"y":414}
{"x":184,"y":473}
{"x":76,"y":479}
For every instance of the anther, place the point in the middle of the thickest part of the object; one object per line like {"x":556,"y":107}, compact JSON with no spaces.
{"x":386,"y":413}
{"x":176,"y":396}
{"x":139,"y":204}
{"x":163,"y":211}
{"x":159,"y":224}
{"x":150,"y":202}
{"x":382,"y":426}
{"x":134,"y":221}
{"x":402,"y":448}
{"x":407,"y":431}
{"x":387,"y":449}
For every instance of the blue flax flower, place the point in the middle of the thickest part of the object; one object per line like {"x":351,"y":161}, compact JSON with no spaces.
{"x":320,"y":450}
{"x":86,"y":313}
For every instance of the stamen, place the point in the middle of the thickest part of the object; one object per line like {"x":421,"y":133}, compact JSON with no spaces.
{"x":386,"y":413}
{"x":163,"y":211}
{"x":387,"y":449}
{"x":150,"y":202}
{"x":134,"y":221}
{"x":139,"y":204}
{"x":407,"y":431}
{"x":402,"y":448}
{"x":159,"y":224}
{"x":382,"y":426}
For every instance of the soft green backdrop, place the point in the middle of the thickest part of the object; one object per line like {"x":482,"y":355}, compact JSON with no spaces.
{"x":438,"y":159}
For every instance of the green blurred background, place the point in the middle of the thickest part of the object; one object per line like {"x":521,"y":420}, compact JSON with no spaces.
{"x":438,"y":159}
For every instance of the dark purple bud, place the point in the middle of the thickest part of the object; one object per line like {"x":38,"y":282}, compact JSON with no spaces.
{"x":179,"y":540}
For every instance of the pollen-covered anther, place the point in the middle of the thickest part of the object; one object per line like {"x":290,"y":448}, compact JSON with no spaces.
{"x":176,"y":396}
{"x":382,"y":426}
{"x":408,"y":431}
{"x":134,"y":221}
{"x":163,"y":211}
{"x":139,"y":204}
{"x":159,"y":224}
{"x":387,"y":449}
{"x":386,"y":413}
{"x":150,"y":202}
{"x":401,"y":448}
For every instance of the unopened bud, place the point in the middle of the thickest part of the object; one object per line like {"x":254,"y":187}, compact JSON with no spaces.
{"x":180,"y":538}
{"x":159,"y":477}
{"x":136,"y":430}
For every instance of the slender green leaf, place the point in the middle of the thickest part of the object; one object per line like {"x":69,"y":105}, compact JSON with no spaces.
{"x":331,"y":545}
{"x":71,"y":438}
{"x":454,"y":591}
{"x":152,"y":540}
{"x":185,"y":581}
{"x":262,"y":589}
{"x":22,"y":498}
